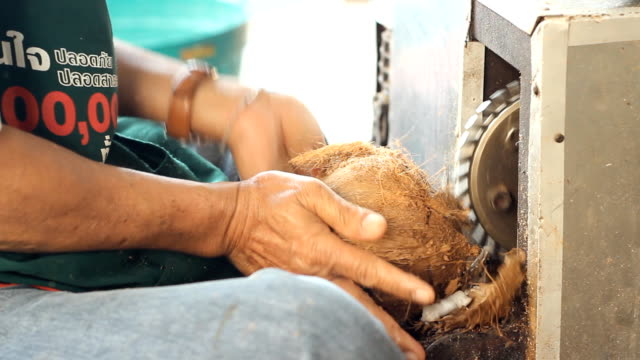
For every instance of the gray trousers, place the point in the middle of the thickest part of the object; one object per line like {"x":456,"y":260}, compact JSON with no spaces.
{"x":269,"y":315}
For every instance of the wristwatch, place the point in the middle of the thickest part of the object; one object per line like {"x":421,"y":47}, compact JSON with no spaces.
{"x":185,"y":84}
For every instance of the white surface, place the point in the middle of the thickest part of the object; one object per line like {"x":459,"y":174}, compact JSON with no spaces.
{"x":323,"y":52}
{"x":549,"y":45}
{"x":617,"y":27}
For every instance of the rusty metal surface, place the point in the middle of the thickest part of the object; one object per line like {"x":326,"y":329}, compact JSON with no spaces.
{"x":601,"y":259}
{"x":426,"y":68}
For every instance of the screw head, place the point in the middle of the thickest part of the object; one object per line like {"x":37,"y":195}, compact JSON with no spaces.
{"x":502,"y":201}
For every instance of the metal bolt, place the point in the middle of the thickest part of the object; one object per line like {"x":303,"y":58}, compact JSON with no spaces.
{"x":536,"y":90}
{"x":502,"y":201}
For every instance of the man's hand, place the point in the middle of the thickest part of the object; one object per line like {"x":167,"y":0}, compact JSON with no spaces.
{"x":263,"y":134}
{"x":286,"y":221}
{"x":270,"y":131}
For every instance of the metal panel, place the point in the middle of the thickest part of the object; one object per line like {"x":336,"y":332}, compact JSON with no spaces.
{"x":514,"y":46}
{"x":498,"y":34}
{"x":596,"y":32}
{"x":426,"y":77}
{"x":473,"y":81}
{"x":545,"y":187}
{"x":601,"y":262}
{"x":584,"y":239}
{"x":526,"y":14}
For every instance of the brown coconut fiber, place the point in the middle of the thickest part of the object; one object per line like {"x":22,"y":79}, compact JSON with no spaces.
{"x":491,"y":301}
{"x":424,"y":233}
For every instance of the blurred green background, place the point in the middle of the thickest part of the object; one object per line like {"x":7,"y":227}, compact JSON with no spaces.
{"x":212,"y":30}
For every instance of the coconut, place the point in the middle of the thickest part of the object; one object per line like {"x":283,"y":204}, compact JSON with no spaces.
{"x":424,"y":226}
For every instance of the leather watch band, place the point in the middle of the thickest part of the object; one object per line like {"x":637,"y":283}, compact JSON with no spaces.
{"x":185,"y":84}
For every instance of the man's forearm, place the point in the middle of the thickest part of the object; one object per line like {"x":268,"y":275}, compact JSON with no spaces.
{"x":53,"y":200}
{"x":145,"y":90}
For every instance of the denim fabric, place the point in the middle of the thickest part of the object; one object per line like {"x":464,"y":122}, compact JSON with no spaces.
{"x":269,"y":315}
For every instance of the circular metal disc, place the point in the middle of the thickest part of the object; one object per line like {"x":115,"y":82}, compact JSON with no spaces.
{"x":493,"y":177}
{"x":485,"y":172}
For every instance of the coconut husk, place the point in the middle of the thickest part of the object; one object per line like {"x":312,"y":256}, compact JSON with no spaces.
{"x":492,"y":301}
{"x":424,"y":226}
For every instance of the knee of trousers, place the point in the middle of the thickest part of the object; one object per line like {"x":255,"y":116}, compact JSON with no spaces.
{"x":315,"y":301}
{"x":300,"y":290}
{"x":274,"y":314}
{"x":326,"y":321}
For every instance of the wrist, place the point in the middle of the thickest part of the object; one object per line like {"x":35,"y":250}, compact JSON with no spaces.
{"x":199,"y":220}
{"x":217,"y":106}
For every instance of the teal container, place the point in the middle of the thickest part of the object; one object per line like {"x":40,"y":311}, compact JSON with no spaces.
{"x":211,"y":30}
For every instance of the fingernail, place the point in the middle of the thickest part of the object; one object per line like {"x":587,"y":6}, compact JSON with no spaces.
{"x":410,"y":356}
{"x":422,"y":296}
{"x":373,"y":223}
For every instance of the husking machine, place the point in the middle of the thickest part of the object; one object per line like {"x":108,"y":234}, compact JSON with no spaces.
{"x":529,"y":111}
